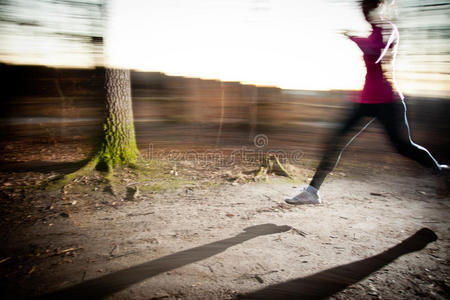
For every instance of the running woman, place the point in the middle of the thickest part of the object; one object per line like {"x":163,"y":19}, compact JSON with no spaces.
{"x":378,"y":101}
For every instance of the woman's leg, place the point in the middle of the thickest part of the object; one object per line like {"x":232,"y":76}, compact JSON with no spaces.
{"x":390,"y":115}
{"x":334,"y":146}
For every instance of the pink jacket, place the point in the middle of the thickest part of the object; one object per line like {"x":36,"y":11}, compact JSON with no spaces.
{"x":376,"y":87}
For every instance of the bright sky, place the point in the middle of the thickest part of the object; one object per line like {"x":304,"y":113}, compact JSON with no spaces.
{"x":292,"y":44}
{"x":267,"y":42}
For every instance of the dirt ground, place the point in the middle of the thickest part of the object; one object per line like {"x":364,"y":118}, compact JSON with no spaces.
{"x":213,"y":233}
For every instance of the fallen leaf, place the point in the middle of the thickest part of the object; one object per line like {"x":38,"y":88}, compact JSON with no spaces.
{"x":5,"y":259}
{"x":32,"y":270}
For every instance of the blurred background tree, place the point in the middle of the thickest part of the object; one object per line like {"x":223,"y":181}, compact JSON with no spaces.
{"x":52,"y":32}
{"x":71,"y":30}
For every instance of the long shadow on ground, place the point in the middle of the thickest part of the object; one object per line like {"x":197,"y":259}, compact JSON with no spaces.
{"x":109,"y":284}
{"x":327,"y":283}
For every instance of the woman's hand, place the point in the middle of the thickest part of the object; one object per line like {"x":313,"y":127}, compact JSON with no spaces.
{"x":346,"y":33}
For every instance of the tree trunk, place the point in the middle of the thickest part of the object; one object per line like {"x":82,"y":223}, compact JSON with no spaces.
{"x":119,"y":144}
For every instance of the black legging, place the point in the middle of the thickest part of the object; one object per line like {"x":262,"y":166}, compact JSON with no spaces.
{"x":389,"y":115}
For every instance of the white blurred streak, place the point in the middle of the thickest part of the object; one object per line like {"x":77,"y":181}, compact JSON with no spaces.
{"x":287,"y":43}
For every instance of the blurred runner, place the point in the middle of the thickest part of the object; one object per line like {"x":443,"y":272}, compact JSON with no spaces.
{"x":377,"y":101}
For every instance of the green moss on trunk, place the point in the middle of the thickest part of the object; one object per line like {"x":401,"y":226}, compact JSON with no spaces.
{"x":119,"y":146}
{"x":119,"y":141}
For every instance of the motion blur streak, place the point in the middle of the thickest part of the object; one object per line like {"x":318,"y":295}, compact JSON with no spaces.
{"x":395,"y":38}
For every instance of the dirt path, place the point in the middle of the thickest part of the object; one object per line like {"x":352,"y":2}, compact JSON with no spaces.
{"x":140,"y":250}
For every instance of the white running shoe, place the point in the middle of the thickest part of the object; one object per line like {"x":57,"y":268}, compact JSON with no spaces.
{"x":309,"y":195}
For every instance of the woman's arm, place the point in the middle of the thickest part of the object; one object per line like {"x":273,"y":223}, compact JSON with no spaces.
{"x":369,"y":45}
{"x":366,"y":45}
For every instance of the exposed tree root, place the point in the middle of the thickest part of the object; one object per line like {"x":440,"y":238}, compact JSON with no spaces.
{"x":271,"y":164}
{"x":86,"y":179}
{"x":60,"y":181}
{"x":99,"y":162}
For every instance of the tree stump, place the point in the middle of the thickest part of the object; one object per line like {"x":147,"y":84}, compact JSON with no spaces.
{"x":271,"y":164}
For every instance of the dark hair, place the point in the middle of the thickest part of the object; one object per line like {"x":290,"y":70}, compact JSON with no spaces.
{"x":369,"y":5}
{"x":371,"y":2}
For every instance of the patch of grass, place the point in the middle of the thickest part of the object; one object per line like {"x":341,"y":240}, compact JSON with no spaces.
{"x":209,"y":184}
{"x":155,"y":187}
{"x":159,"y":185}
